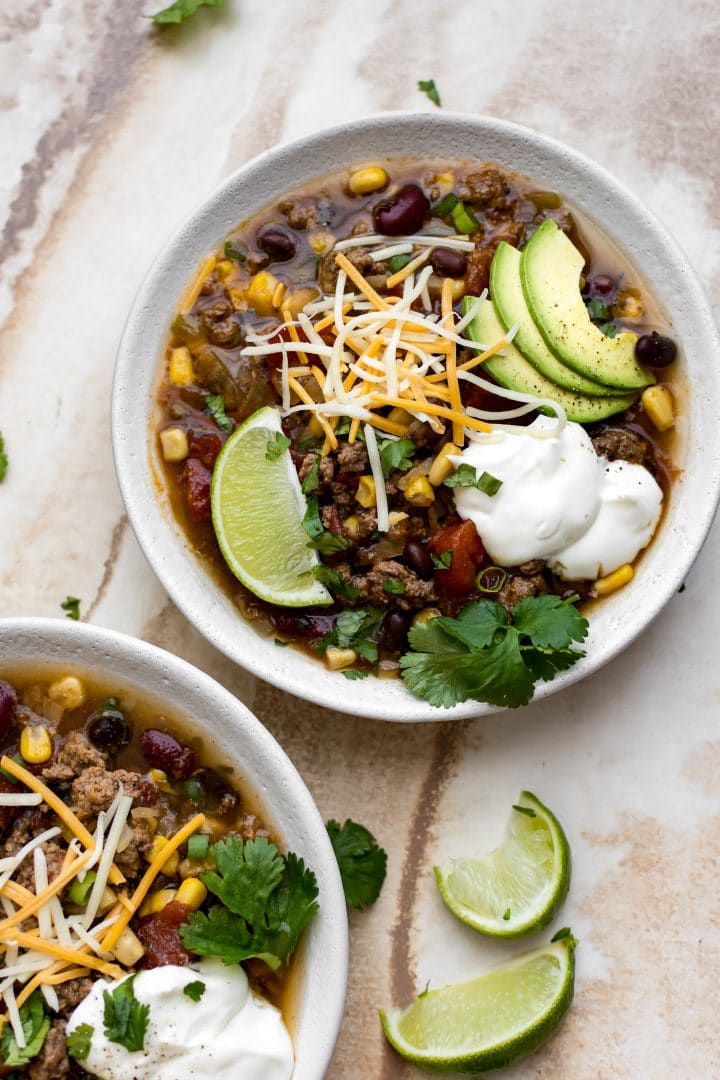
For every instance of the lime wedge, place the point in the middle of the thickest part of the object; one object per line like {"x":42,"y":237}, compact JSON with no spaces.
{"x":491,"y":1021}
{"x":257,"y":512}
{"x":518,"y":888}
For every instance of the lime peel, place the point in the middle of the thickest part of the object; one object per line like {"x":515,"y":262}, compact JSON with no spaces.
{"x":257,"y":511}
{"x":518,"y":888}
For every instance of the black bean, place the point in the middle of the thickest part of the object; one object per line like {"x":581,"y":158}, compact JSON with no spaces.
{"x":654,"y":350}
{"x":404,"y":213}
{"x":448,"y":263}
{"x":418,"y":558}
{"x":109,"y":729}
{"x":8,"y":704}
{"x":278,"y":243}
{"x":394,"y":629}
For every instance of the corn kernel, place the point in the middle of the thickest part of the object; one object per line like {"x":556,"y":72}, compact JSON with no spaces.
{"x":419,"y":492}
{"x":628,"y":305}
{"x":399,"y":416}
{"x":445,"y":181}
{"x":658,"y":404}
{"x":180,"y":367}
{"x":158,"y":776}
{"x":224,"y":269}
{"x":321,"y":242}
{"x":299,"y":299}
{"x":169,"y":868}
{"x":192,"y":893}
{"x":238,"y":299}
{"x":351,"y":525}
{"x":157,"y":900}
{"x":174,"y":444}
{"x":442,"y":466}
{"x":261,"y":291}
{"x":68,"y":692}
{"x":278,"y":294}
{"x":365,"y":494}
{"x":363,"y":181}
{"x":107,"y":901}
{"x":395,"y":517}
{"x":129,"y":948}
{"x":35,"y":744}
{"x":339,"y":658}
{"x":614,"y":581}
{"x":426,"y":615}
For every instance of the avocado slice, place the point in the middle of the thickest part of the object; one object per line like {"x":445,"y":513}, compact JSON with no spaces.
{"x":514,"y":372}
{"x":550,"y":268}
{"x":509,"y":300}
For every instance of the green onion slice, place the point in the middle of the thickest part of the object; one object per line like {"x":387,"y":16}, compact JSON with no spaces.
{"x":194,"y":792}
{"x":491,"y":579}
{"x":489,"y":484}
{"x":198,"y":846}
{"x":463,"y":220}
{"x":80,"y":890}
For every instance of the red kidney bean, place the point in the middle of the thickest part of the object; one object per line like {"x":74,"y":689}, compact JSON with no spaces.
{"x":305,"y":626}
{"x":418,"y":558}
{"x":277,"y":243}
{"x":601,"y":285}
{"x":404,"y":213}
{"x":655,"y":350}
{"x":109,"y":729}
{"x":394,"y":629}
{"x":197,"y":489}
{"x":8,"y":704}
{"x":163,"y":751}
{"x":448,"y":263}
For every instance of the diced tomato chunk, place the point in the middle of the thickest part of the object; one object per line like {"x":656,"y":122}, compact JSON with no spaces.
{"x":196,"y":480}
{"x":462,"y":540}
{"x":205,"y":445}
{"x":160,"y":935}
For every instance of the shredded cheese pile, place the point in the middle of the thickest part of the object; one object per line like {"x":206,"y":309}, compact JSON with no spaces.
{"x":60,"y":946}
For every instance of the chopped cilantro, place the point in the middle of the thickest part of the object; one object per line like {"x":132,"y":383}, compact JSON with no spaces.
{"x":235,"y":250}
{"x":609,"y":329}
{"x":267,"y":899}
{"x":35,"y":1024}
{"x":329,"y":543}
{"x":343,"y":428}
{"x":78,"y":1041}
{"x":443,"y":561}
{"x":466,"y":476}
{"x":354,"y":630}
{"x":181,"y":11}
{"x":362,"y":862}
{"x":597,"y":310}
{"x":482,"y":656}
{"x":332,"y":581}
{"x":428,"y":87}
{"x":393,"y":586}
{"x":71,"y":607}
{"x":195,"y":990}
{"x":312,"y":481}
{"x":216,"y":407}
{"x":312,"y":522}
{"x":277,"y":444}
{"x":396,"y":454}
{"x":125,"y":1019}
{"x":280,"y":644}
{"x":355,"y":673}
{"x":3,"y":459}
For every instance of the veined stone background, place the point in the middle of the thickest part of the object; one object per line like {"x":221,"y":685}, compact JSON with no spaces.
{"x":110,"y":134}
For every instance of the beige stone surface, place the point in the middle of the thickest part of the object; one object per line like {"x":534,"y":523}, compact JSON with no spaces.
{"x":110,"y":133}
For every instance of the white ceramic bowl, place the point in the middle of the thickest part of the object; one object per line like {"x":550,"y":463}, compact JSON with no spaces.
{"x":238,"y":738}
{"x":659,"y":262}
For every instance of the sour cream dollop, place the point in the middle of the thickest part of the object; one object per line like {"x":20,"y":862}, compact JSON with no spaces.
{"x":559,"y":501}
{"x":229,"y":1034}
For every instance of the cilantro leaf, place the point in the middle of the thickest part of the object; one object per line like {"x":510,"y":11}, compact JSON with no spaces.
{"x":267,"y":901}
{"x":393,"y":586}
{"x":3,"y":459}
{"x":312,"y":522}
{"x":277,"y":444}
{"x":355,"y":673}
{"x":125,"y":1019}
{"x":35,"y":1024}
{"x":484,"y":656}
{"x":235,"y":250}
{"x":354,"y":630}
{"x":332,"y":581}
{"x":71,"y":606}
{"x":466,"y":476}
{"x":216,"y":407}
{"x":428,"y":87}
{"x":195,"y":990}
{"x":312,"y":481}
{"x":362,"y":862}
{"x":443,"y":561}
{"x":181,"y":11}
{"x":78,"y":1041}
{"x":329,"y":543}
{"x":597,"y":310}
{"x":396,"y":454}
{"x":609,"y":329}
{"x":549,"y":621}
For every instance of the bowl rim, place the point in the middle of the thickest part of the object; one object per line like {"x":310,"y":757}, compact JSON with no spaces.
{"x":376,"y":698}
{"x":325,"y":948}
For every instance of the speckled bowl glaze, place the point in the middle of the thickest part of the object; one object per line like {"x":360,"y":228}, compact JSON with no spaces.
{"x":659,"y":263}
{"x":236,"y":737}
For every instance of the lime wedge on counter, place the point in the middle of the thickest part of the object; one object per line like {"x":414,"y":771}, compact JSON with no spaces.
{"x":492,"y":1021}
{"x":518,"y":888}
{"x":257,"y":512}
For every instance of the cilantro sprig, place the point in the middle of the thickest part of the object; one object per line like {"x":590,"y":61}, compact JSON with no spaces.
{"x":35,"y":1024}
{"x":216,"y":407}
{"x":78,"y":1041}
{"x":125,"y":1019}
{"x":354,"y":630}
{"x":466,"y":476}
{"x":362,"y":862}
{"x":324,"y":541}
{"x":396,"y":454}
{"x":484,"y":656}
{"x":266,"y":901}
{"x":277,"y":444}
{"x":429,"y":88}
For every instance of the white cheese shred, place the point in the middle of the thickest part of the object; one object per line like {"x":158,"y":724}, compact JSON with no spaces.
{"x":381,"y":499}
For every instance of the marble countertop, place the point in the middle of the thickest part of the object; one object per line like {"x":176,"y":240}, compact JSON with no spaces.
{"x":110,"y":133}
